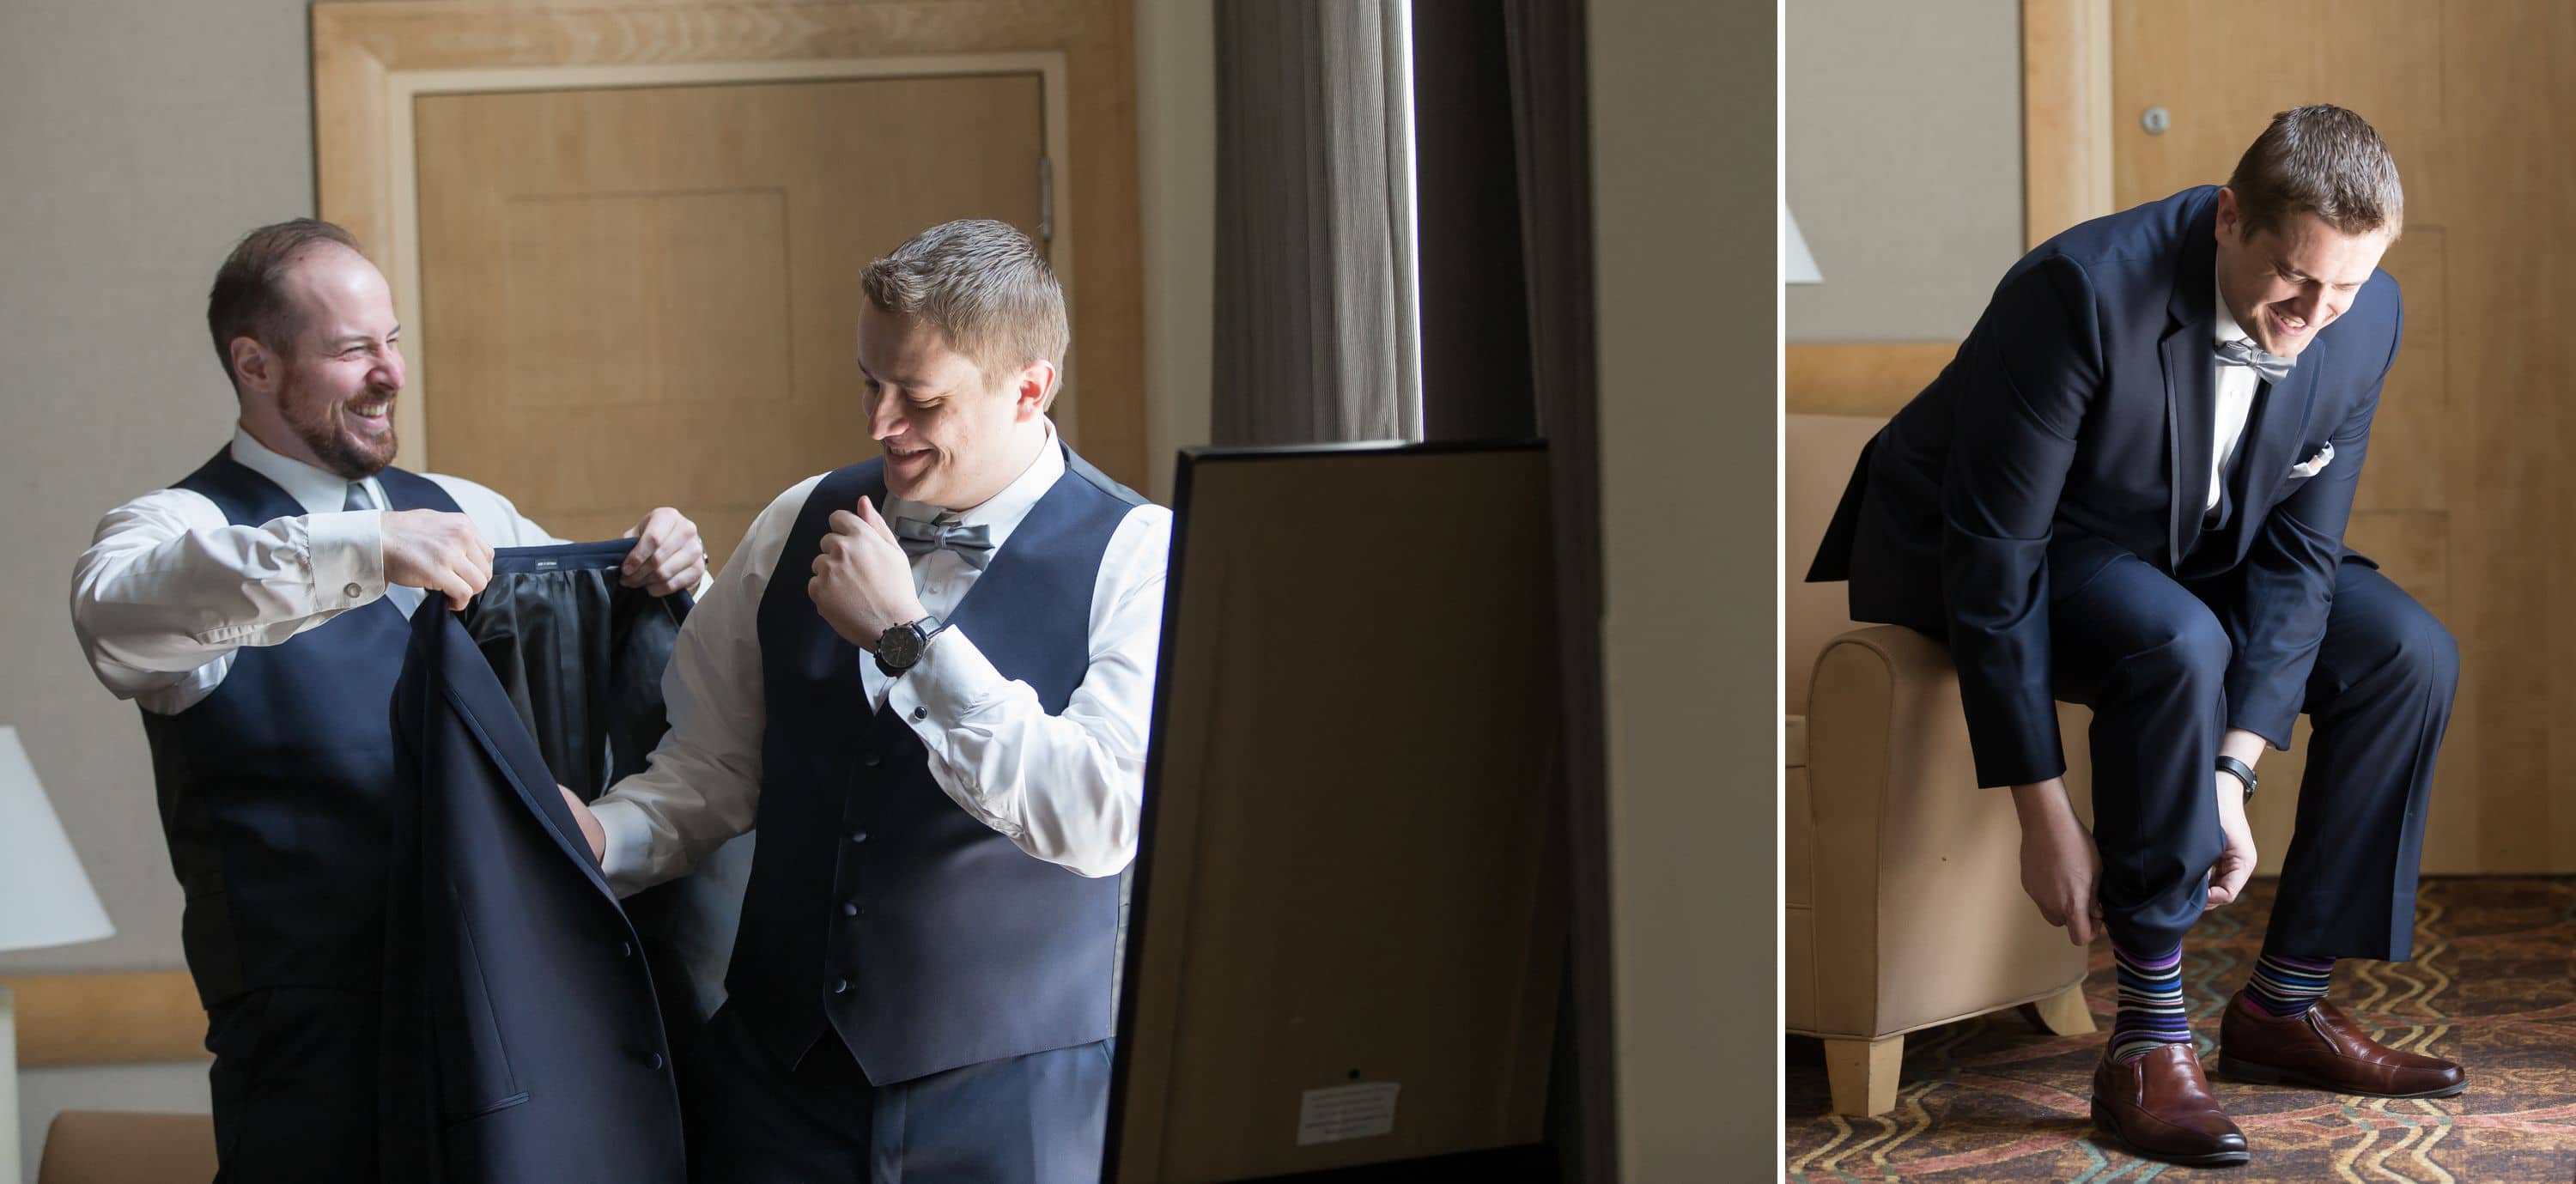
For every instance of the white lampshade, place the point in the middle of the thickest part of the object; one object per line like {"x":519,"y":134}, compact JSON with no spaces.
{"x":1796,"y":265}
{"x":45,"y":900}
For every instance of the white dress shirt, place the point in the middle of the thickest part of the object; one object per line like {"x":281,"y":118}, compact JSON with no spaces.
{"x":169,"y":587}
{"x":1068,"y":789}
{"x":2235,"y":400}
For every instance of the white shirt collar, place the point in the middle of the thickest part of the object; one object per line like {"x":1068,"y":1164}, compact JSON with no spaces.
{"x":317,"y":491}
{"x":1002,"y":511}
{"x":2228,"y":329}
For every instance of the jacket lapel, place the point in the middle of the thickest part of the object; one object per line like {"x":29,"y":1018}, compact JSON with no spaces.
{"x":2191,"y":383}
{"x":468,"y":688}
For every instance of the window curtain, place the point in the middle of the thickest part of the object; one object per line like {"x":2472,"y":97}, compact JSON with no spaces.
{"x":1315,"y":337}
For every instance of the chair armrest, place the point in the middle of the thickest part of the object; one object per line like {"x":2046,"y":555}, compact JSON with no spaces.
{"x":120,"y":1147}
{"x":1919,"y":912}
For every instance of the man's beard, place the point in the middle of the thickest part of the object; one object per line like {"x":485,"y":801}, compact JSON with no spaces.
{"x":343,"y":453}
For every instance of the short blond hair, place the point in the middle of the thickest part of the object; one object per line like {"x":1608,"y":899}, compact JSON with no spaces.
{"x":985,"y":285}
{"x":2321,"y":160}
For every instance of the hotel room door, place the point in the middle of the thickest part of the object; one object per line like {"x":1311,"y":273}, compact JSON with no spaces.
{"x":2464,"y":501}
{"x":640,"y":296}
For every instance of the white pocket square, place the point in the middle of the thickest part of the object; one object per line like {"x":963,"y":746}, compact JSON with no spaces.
{"x":2315,"y":464}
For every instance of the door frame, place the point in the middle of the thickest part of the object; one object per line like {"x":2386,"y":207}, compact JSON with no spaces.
{"x":2065,"y":114}
{"x":372,"y":59}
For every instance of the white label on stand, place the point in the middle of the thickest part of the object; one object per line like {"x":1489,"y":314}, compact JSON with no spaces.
{"x":1346,"y":1112}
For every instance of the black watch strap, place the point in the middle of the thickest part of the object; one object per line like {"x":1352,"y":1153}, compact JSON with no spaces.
{"x":2238,"y":770}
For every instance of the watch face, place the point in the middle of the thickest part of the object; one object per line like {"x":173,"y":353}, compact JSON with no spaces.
{"x":900,"y":646}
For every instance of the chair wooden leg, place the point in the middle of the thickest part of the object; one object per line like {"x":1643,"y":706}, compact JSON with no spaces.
{"x":2064,"y":1013}
{"x":1862,"y":1074}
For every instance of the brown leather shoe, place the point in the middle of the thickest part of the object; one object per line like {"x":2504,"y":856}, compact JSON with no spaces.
{"x":2159,"y":1106}
{"x":2324,"y":1049}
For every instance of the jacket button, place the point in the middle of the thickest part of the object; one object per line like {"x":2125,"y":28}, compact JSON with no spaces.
{"x":849,"y":910}
{"x":870,"y":760}
{"x":655,"y":1061}
{"x":840,"y":986}
{"x":860,"y":835}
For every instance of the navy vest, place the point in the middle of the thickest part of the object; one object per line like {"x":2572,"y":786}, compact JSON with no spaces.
{"x":876,"y":908}
{"x":276,"y":789}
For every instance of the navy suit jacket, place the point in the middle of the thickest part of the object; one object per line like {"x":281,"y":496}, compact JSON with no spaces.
{"x":2075,"y":425}
{"x":522,"y":1036}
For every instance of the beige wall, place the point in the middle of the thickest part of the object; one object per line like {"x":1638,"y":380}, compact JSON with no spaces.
{"x":1689,"y":422}
{"x":1176,"y":153}
{"x":141,"y":140}
{"x":1904,"y":163}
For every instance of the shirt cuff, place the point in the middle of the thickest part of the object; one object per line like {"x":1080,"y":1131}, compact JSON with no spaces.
{"x":2271,"y":727}
{"x":630,"y":841}
{"x":952,"y":681}
{"x":346,"y":551}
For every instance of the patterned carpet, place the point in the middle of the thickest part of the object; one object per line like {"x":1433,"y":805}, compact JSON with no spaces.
{"x":1994,"y":1098}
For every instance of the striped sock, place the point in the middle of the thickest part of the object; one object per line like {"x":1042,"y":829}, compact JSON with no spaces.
{"x":2150,"y":1002}
{"x":2287,"y":986}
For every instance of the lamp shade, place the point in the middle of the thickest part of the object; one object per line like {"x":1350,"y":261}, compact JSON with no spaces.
{"x":45,"y":900}
{"x":1796,"y":265}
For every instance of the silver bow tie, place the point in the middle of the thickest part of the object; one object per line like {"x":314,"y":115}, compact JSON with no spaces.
{"x":2273,"y":367}
{"x":974,"y":544}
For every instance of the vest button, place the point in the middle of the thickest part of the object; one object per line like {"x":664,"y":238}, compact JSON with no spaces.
{"x":859,"y":836}
{"x":351,"y":591}
{"x":840,"y":986}
{"x":655,"y":1060}
{"x":870,"y":760}
{"x":849,"y":910}
{"x":920,"y":713}
{"x":626,"y":949}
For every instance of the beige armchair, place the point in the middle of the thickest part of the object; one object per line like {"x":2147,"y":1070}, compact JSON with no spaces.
{"x":118,"y":1147}
{"x":1905,"y":906}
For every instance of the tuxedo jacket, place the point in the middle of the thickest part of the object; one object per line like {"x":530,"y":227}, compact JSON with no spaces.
{"x":524,"y":1039}
{"x":2075,"y":425}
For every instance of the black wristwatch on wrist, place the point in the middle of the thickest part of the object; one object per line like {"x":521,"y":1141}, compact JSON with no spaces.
{"x":2240,"y":771}
{"x":900,"y":648}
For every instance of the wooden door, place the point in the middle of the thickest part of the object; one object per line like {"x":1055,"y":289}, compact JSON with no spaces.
{"x":2465,"y":499}
{"x":645,"y":296}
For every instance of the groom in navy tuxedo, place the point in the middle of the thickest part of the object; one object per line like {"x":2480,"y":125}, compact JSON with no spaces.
{"x":2130,"y":490}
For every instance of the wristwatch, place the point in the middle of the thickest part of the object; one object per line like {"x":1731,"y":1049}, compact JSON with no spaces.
{"x":900,"y":648}
{"x":2240,"y":771}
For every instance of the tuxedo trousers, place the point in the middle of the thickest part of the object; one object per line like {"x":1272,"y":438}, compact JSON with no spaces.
{"x":2150,"y":655}
{"x":293,"y":1085}
{"x":1035,"y":1119}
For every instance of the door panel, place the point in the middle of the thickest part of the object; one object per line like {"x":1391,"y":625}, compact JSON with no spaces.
{"x":647,"y":296}
{"x":2465,"y":500}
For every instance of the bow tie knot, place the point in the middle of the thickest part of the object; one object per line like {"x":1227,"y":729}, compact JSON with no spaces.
{"x":974,"y":544}
{"x":2273,"y":367}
